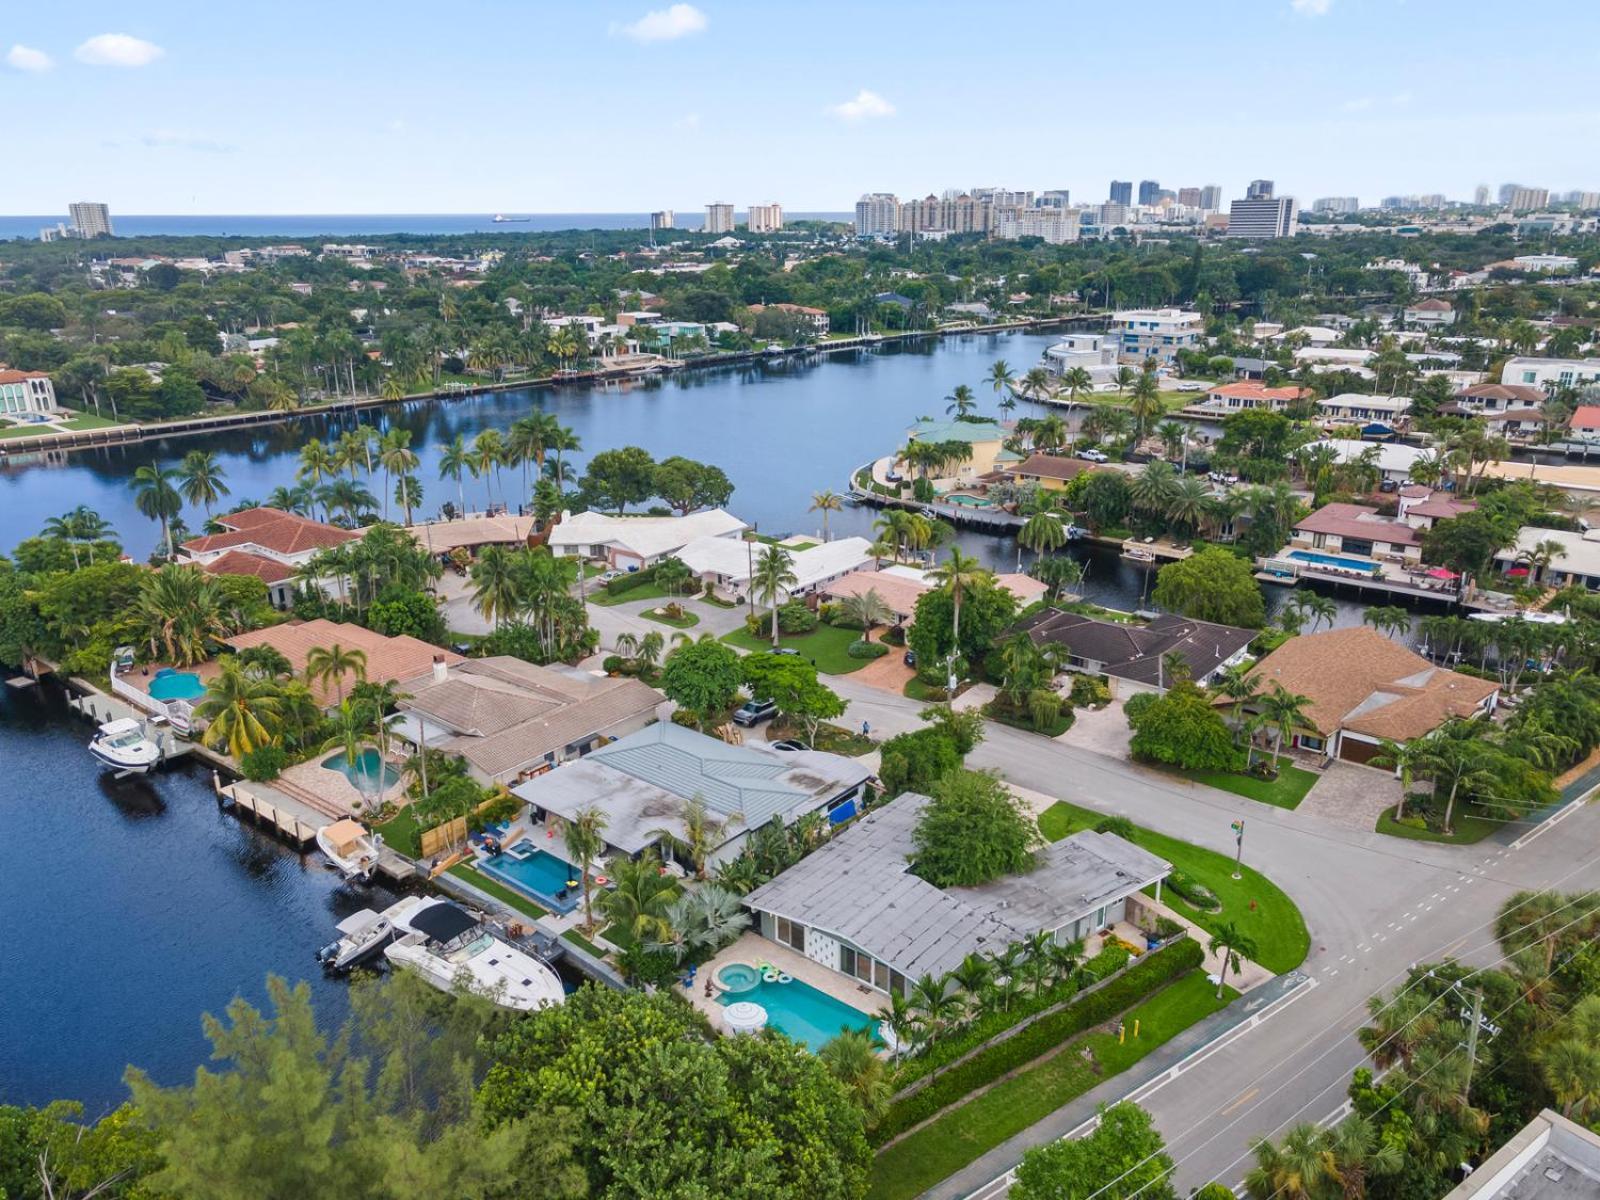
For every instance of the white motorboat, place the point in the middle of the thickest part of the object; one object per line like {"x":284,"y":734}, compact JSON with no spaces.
{"x":350,"y":848}
{"x":446,"y":944}
{"x":123,"y":746}
{"x":361,"y":935}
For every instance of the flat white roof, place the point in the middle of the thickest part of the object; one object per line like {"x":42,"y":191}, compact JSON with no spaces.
{"x":644,"y":536}
{"x":731,"y":558}
{"x":1580,"y":553}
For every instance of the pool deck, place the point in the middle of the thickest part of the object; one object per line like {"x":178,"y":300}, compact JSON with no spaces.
{"x":332,"y":787}
{"x":752,"y":948}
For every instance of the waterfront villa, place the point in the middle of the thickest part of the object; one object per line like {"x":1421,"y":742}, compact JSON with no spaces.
{"x":1577,"y":561}
{"x":1389,"y":411}
{"x":1095,"y":353}
{"x":26,"y":392}
{"x":1394,"y":460}
{"x":855,"y":907}
{"x":724,"y":564}
{"x":471,"y":533}
{"x":1052,"y":472}
{"x":1135,"y":658}
{"x":1157,"y":333}
{"x":1355,"y":531}
{"x":1432,"y":313}
{"x":404,"y":661}
{"x":1245,"y":394}
{"x":510,"y":720}
{"x":1422,"y":508}
{"x":632,"y":543}
{"x":1483,"y":398}
{"x":1551,"y":373}
{"x":817,"y":318}
{"x":900,"y":587}
{"x":986,"y":439}
{"x":270,"y":544}
{"x":1364,"y":687}
{"x":643,"y":782}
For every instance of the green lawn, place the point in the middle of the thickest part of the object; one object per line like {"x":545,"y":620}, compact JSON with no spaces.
{"x":1275,"y":923}
{"x":401,"y":832}
{"x":87,"y":421}
{"x":688,"y":621}
{"x":498,"y":890}
{"x":1286,"y":791}
{"x":1056,"y":728}
{"x":1470,"y":828}
{"x":835,"y":739}
{"x":645,"y":591}
{"x":796,"y":547}
{"x":22,"y":431}
{"x":917,"y":1162}
{"x":583,"y":943}
{"x":825,"y":647}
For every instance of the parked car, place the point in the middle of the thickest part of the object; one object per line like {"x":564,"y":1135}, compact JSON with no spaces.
{"x":753,"y":712}
{"x":789,"y":744}
{"x":911,"y":658}
{"x":608,"y":576}
{"x":784,"y":650}
{"x":1388,"y":485}
{"x":1093,"y":456}
{"x":1190,"y":387}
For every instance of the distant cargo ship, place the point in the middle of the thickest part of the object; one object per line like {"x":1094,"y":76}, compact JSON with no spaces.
{"x":502,"y":219}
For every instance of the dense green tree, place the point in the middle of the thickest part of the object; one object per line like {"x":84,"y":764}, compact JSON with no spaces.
{"x":618,"y":478}
{"x":1212,"y":584}
{"x":1123,"y":1158}
{"x":915,"y":761}
{"x":791,"y":683}
{"x":703,"y":677}
{"x":687,"y":485}
{"x":986,"y":611}
{"x":972,"y":830}
{"x":1185,"y":729}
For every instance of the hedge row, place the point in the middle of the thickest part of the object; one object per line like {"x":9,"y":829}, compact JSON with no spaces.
{"x":1041,"y":1037}
{"x":626,"y":582}
{"x":1192,"y":890}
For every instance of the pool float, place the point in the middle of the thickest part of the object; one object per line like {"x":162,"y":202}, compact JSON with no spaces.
{"x":769,"y":975}
{"x":783,"y":977}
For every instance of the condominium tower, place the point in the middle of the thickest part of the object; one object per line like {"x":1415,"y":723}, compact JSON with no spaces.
{"x":719,"y":218}
{"x":766,"y":218}
{"x":90,"y":220}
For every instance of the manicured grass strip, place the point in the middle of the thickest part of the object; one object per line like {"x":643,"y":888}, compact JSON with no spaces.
{"x":22,"y":431}
{"x":645,"y":591}
{"x":583,"y":943}
{"x":936,"y":1151}
{"x":1275,"y":923}
{"x":1469,"y":829}
{"x":688,"y":621}
{"x":825,"y":646}
{"x":1286,"y":791}
{"x":87,"y":422}
{"x":498,"y":890}
{"x":401,"y":832}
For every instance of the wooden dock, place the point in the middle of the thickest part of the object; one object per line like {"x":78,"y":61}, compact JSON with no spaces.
{"x":1135,"y":550}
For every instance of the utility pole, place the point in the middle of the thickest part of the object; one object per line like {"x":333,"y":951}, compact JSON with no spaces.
{"x":1238,"y":858}
{"x":1472,"y":1040}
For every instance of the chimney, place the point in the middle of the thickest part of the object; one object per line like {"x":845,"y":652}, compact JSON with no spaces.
{"x":440,"y":671}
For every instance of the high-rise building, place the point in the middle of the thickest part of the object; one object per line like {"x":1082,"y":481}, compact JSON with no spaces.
{"x":766,"y":218}
{"x":1149,"y":191}
{"x":719,"y":218}
{"x":1121,"y":191}
{"x":1054,"y":225}
{"x":1527,"y":199}
{"x":878,"y":215}
{"x":90,"y":220}
{"x":1211,"y":198}
{"x":1480,"y":195}
{"x":1587,"y":200}
{"x":1263,"y":216}
{"x":1055,"y":198}
{"x":1112,"y":214}
{"x":1337,"y":205}
{"x":1189,"y":197}
{"x":1259,"y":189}
{"x":663,"y":219}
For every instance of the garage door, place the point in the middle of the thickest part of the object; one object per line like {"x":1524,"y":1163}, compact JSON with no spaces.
{"x":1357,"y":752}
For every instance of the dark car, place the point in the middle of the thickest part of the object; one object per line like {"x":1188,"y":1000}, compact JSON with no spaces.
{"x":790,"y":744}
{"x":911,"y":658}
{"x":1388,"y":485}
{"x":784,"y":650}
{"x":753,"y":712}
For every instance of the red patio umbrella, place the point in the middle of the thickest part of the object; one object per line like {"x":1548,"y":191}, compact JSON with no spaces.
{"x":1517,"y":571}
{"x":1442,"y":573}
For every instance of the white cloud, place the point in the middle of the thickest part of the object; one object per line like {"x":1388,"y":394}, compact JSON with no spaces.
{"x":117,"y":50}
{"x":687,"y":121}
{"x":865,"y":106}
{"x":1358,"y":104}
{"x":26,"y":58}
{"x":1311,"y":8}
{"x":664,"y":24}
{"x":172,"y":139}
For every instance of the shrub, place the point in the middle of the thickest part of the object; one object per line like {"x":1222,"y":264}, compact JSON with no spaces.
{"x":1135,"y":705}
{"x":913,"y":761}
{"x":1108,"y":962}
{"x":1089,"y":690}
{"x":922,"y":491}
{"x":758,"y":624}
{"x":1195,"y":892}
{"x":1120,"y":826}
{"x":642,"y":967}
{"x":264,"y":764}
{"x":829,"y":612}
{"x":623,"y":584}
{"x":612,"y":664}
{"x":1166,"y":928}
{"x":866,"y":649}
{"x":795,"y":617}
{"x":1043,"y":1036}
{"x":895,"y":635}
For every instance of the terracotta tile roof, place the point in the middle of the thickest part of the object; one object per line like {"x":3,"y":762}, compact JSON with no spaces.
{"x":242,"y":562}
{"x":441,"y":537}
{"x":1502,"y":391}
{"x":20,"y":376}
{"x":271,"y":529}
{"x":1433,"y":306}
{"x":1441,"y":508}
{"x":1358,"y":521}
{"x":1585,"y":416}
{"x":1247,"y":390}
{"x":389,"y":659}
{"x":899,"y":593}
{"x":1051,"y":466}
{"x":1360,"y":680}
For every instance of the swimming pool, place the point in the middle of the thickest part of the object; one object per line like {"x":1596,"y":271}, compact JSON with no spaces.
{"x":970,"y":501}
{"x":366,"y":772}
{"x":795,"y":1008}
{"x":176,"y":685}
{"x":1364,"y":565}
{"x":537,"y":874}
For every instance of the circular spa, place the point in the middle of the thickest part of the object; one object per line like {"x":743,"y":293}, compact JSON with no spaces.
{"x":738,"y":977}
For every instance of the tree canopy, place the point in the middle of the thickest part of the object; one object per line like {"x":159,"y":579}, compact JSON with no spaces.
{"x":1212,"y":584}
{"x":972,"y":830}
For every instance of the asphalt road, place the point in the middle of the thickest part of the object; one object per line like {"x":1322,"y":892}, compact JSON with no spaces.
{"x":1374,"y":905}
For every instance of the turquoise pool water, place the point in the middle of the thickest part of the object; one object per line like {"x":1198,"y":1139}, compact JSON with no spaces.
{"x":537,"y":874}
{"x":176,"y":685}
{"x":1332,"y":560}
{"x":365,"y":773}
{"x":970,"y":501}
{"x":799,"y":1010}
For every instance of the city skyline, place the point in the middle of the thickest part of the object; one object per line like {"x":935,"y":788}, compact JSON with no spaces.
{"x":704,"y":102}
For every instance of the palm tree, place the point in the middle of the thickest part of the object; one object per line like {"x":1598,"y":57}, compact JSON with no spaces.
{"x":774,"y":574}
{"x":408,"y":494}
{"x":455,"y":461}
{"x":825,"y":503}
{"x":852,"y":1059}
{"x":973,"y":975}
{"x":938,"y":1002}
{"x":1076,"y":380}
{"x":869,"y":610}
{"x":1238,"y":685}
{"x":1188,"y":504}
{"x":63,"y":529}
{"x":1000,"y":378}
{"x":296,"y":499}
{"x":1036,"y":384}
{"x":960,"y":573}
{"x":495,"y":593}
{"x":1282,"y":710}
{"x":1454,"y":757}
{"x":1231,"y":944}
{"x":900,"y":1020}
{"x":244,"y":711}
{"x":585,"y":838}
{"x":330,"y":664}
{"x":638,"y":896}
{"x":696,"y":836}
{"x":489,"y":452}
{"x":1145,"y":402}
{"x":1299,"y":1169}
{"x":156,"y":498}
{"x":1173,"y":437}
{"x":316,"y":464}
{"x":1125,"y":379}
{"x":961,"y":401}
{"x":397,"y":459}
{"x":1388,"y":619}
{"x":1318,"y":608}
{"x":1043,"y":532}
{"x":180,"y":611}
{"x":201,"y":479}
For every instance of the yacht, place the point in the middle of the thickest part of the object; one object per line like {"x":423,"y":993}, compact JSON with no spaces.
{"x":123,"y":746}
{"x":350,"y":848}
{"x":443,"y":942}
{"x":502,"y":219}
{"x":361,"y":935}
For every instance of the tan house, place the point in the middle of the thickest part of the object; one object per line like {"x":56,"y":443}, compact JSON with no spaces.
{"x":1052,"y":472}
{"x":986,"y":440}
{"x":1364,"y":687}
{"x":398,"y":660}
{"x":1357,"y":530}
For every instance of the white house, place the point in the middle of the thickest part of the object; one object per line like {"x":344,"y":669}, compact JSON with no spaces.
{"x":726,"y":564}
{"x":1095,"y":353}
{"x":1157,"y":333}
{"x":1576,"y":562}
{"x":631,"y":543}
{"x":1394,"y":460}
{"x":1430,"y":314}
{"x":1354,"y":406}
{"x":1551,"y":373}
{"x":271,"y":545}
{"x":26,"y":392}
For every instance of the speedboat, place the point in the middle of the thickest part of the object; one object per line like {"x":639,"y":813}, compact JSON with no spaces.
{"x":123,"y":746}
{"x":350,"y":848}
{"x":361,"y":935}
{"x":449,"y":947}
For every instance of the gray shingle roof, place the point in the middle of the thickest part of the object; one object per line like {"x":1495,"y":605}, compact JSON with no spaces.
{"x":1135,"y":652}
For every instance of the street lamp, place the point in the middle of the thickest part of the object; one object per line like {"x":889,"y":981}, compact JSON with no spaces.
{"x":1238,"y":856}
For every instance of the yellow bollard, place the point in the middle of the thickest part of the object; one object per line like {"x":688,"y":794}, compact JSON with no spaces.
{"x":1136,"y":1027}
{"x":1122,"y":1034}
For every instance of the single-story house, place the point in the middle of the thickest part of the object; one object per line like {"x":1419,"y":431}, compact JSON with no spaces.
{"x":1353,"y":406}
{"x":642,"y":783}
{"x":1483,"y":398}
{"x":725,"y":564}
{"x":854,"y":906}
{"x":1585,"y":422}
{"x":630,"y":543}
{"x":1052,"y":472}
{"x":400,"y":660}
{"x":1394,"y":459}
{"x":816,"y":317}
{"x":1236,"y":397}
{"x":1364,"y":687}
{"x":900,"y":587}
{"x":510,"y":719}
{"x":1578,"y":561}
{"x":472,"y":533}
{"x":1134,"y":657}
{"x":1357,"y":530}
{"x":269,"y":543}
{"x":1430,"y":314}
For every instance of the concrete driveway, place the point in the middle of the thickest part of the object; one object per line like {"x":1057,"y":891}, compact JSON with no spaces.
{"x":1351,"y":796}
{"x":1100,"y":730}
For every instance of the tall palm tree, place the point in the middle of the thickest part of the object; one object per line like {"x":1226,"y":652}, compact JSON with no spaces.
{"x":244,"y":711}
{"x":1145,"y":403}
{"x":454,"y":462}
{"x":330,"y":664}
{"x":1043,"y":532}
{"x":1298,"y":1168}
{"x":938,"y":1001}
{"x":826,"y":502}
{"x":586,"y":842}
{"x":1231,"y":944}
{"x":489,"y":452}
{"x":960,"y":573}
{"x":853,"y":1060}
{"x":1076,"y":381}
{"x":62,"y":529}
{"x":1036,"y":384}
{"x":961,"y":401}
{"x":1000,"y":378}
{"x":1282,"y":710}
{"x":156,"y":498}
{"x":1454,"y":758}
{"x":408,"y":494}
{"x":180,"y":611}
{"x":900,"y":1020}
{"x":398,"y":459}
{"x":774,"y":575}
{"x":868,"y":609}
{"x":495,"y":591}
{"x":201,"y":479}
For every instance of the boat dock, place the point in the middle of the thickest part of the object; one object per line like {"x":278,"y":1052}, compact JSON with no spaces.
{"x":100,"y":708}
{"x":1148,"y":549}
{"x":1288,"y":573}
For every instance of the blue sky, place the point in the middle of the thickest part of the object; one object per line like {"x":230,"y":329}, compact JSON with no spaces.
{"x":172,"y":106}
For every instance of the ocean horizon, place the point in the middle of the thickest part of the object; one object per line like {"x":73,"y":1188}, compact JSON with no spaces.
{"x":312,"y":225}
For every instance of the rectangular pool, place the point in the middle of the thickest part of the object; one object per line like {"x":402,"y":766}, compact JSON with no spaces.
{"x":1364,"y":565}
{"x":537,"y":874}
{"x":799,"y":1010}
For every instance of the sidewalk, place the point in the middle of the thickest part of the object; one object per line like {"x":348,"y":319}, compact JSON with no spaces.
{"x":978,"y":1175}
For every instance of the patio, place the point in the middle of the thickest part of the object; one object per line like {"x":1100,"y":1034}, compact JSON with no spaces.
{"x":751,"y":948}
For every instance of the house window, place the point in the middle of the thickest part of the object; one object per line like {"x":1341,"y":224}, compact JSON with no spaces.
{"x":792,"y":933}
